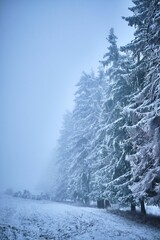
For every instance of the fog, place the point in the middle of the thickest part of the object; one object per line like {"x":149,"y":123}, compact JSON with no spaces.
{"x":45,"y":45}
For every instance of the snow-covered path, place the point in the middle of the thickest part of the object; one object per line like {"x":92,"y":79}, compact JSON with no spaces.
{"x":32,"y":220}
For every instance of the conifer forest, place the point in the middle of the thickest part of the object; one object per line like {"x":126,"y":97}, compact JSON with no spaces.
{"x":109,"y":145}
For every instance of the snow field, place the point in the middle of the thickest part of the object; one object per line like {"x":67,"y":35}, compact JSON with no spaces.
{"x":39,"y":220}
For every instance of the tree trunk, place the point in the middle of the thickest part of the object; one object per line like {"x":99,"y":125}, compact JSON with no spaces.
{"x":100,"y":203}
{"x":133,"y":207}
{"x":143,"y":210}
{"x":107,"y":203}
{"x":86,"y":201}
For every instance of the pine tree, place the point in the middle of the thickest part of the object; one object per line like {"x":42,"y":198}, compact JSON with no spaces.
{"x":112,"y":172}
{"x":63,"y":159}
{"x":85,"y":118}
{"x":143,"y":110}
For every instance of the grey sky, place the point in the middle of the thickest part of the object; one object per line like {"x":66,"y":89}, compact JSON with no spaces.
{"x":45,"y":45}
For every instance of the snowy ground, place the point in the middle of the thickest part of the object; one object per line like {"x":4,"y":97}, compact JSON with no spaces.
{"x":37,"y":220}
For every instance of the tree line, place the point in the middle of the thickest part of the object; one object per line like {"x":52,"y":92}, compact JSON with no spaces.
{"x":109,"y":145}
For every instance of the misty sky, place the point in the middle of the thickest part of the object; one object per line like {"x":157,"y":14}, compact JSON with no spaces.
{"x":45,"y":45}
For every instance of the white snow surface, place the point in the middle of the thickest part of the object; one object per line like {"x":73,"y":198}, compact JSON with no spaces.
{"x":39,"y":220}
{"x":154,"y":210}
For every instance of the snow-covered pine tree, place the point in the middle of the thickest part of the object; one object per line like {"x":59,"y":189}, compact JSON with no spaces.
{"x":92,"y":158}
{"x":85,"y":120}
{"x":143,"y":112}
{"x":112,"y":173}
{"x":100,"y":166}
{"x":118,"y":187}
{"x":60,"y":184}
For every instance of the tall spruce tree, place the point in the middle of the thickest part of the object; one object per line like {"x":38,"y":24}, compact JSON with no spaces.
{"x":143,"y":111}
{"x":112,"y":172}
{"x":85,"y":119}
{"x":63,"y":158}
